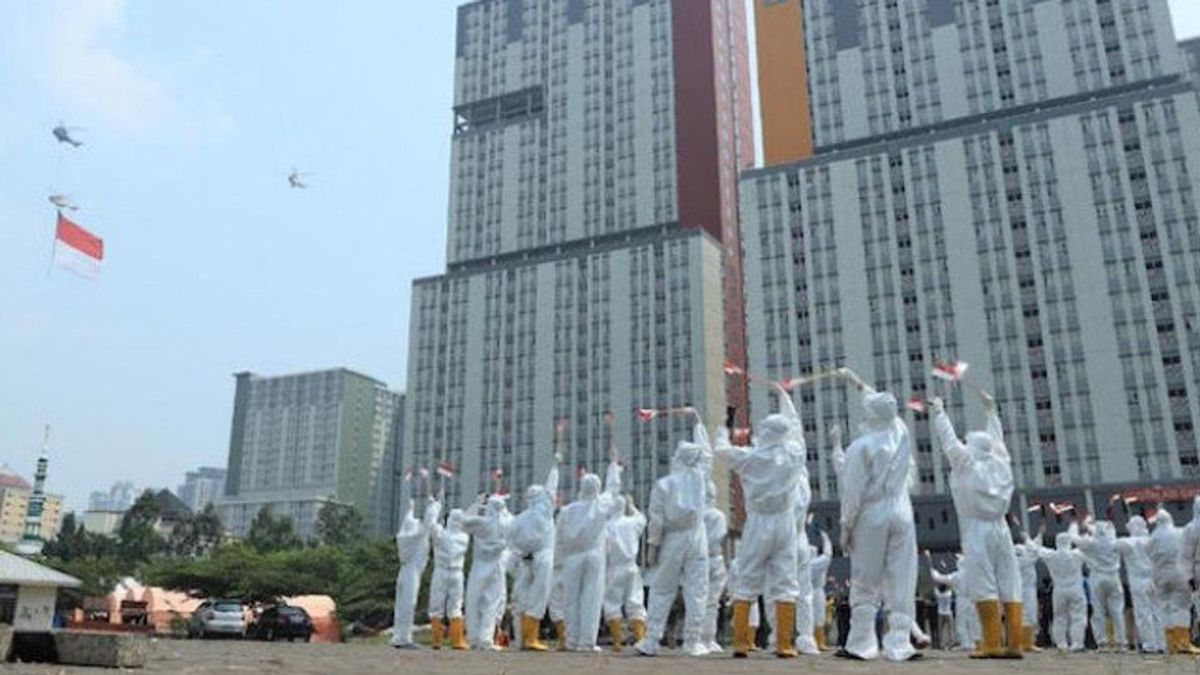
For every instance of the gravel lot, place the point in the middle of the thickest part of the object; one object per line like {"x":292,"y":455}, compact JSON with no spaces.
{"x":171,"y":656}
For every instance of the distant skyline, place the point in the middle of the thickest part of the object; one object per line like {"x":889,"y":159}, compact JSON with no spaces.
{"x":193,"y":113}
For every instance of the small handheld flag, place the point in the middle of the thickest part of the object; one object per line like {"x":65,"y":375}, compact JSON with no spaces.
{"x":952,"y":371}
{"x":916,"y":404}
{"x":445,"y":470}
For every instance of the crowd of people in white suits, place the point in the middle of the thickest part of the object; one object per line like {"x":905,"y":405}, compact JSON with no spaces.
{"x":580,"y":562}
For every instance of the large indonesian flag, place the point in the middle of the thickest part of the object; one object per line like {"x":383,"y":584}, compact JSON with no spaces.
{"x":77,"y":249}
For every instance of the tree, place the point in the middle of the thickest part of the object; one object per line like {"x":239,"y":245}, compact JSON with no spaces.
{"x":268,"y":533}
{"x":339,"y":525}
{"x":196,"y":534}
{"x":137,"y":537}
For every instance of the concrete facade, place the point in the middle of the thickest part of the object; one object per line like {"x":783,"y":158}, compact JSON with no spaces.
{"x":593,"y":252}
{"x":1054,"y":246}
{"x":299,"y":440}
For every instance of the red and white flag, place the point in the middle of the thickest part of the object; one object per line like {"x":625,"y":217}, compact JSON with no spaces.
{"x":916,"y":404}
{"x":647,"y":414}
{"x":1131,"y":500}
{"x":76,"y":249}
{"x":1060,"y":509}
{"x":733,"y":369}
{"x":445,"y":470}
{"x":560,"y":427}
{"x":1033,"y":508}
{"x":952,"y":371}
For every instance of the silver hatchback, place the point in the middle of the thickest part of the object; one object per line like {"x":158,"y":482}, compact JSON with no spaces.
{"x":218,"y":617}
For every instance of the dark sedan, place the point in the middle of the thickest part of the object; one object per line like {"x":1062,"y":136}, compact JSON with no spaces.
{"x":281,"y":622}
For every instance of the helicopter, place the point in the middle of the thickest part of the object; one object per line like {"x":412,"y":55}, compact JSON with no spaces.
{"x":62,"y":201}
{"x":296,"y":180}
{"x":62,"y":134}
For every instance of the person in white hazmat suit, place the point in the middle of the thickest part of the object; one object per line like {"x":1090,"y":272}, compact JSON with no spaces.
{"x":623,"y":588}
{"x":558,"y":603}
{"x":1135,"y":551}
{"x":1027,"y":560}
{"x":878,"y":531}
{"x":1108,"y":593}
{"x":487,"y":523}
{"x":981,"y":483}
{"x":818,"y":568}
{"x":1191,"y":551}
{"x":678,"y":545}
{"x":966,"y":619}
{"x":805,"y":642}
{"x":715,"y":529}
{"x":1069,"y":602}
{"x":580,"y":541}
{"x":1172,"y":571}
{"x":531,"y":538}
{"x":771,"y":471}
{"x":446,"y":586}
{"x":412,"y":545}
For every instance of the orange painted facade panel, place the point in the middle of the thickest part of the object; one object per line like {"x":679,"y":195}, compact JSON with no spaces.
{"x":783,"y":81}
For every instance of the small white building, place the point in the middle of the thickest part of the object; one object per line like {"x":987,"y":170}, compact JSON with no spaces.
{"x":29,"y":592}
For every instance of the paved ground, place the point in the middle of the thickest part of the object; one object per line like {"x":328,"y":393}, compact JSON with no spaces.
{"x":181,"y":657}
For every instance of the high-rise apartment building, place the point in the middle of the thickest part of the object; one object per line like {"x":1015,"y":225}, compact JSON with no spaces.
{"x":299,"y":441}
{"x":202,"y":487}
{"x":1010,"y":183}
{"x":593,"y":257}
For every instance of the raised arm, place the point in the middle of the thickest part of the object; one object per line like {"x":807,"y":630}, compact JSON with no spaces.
{"x":992,"y":414}
{"x":552,"y":480}
{"x":956,"y":452}
{"x":612,"y":479}
{"x":724,"y":448}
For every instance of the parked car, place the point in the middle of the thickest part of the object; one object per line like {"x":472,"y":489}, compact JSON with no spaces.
{"x":218,"y":617}
{"x":282,"y":622}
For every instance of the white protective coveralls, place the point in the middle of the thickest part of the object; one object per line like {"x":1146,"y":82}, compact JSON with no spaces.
{"x":676,"y":531}
{"x":580,"y":541}
{"x":1069,"y":602}
{"x":1027,"y":559}
{"x":878,"y":531}
{"x":818,"y":568}
{"x":446,"y":585}
{"x":1108,"y":593}
{"x":805,"y":641}
{"x":981,"y":483}
{"x":486,"y":592}
{"x":772,"y":472}
{"x":412,"y":545}
{"x":966,"y":619}
{"x":531,"y":538}
{"x":1172,"y":571}
{"x":1135,"y":551}
{"x":715,"y":529}
{"x":1191,"y":546}
{"x":623,"y":587}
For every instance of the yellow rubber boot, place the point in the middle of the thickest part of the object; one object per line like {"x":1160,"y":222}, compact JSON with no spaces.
{"x":530,"y":641}
{"x":560,"y":635}
{"x":638,"y":628}
{"x":742,"y":640}
{"x":1014,"y":630}
{"x":1031,"y":640}
{"x":614,"y":632}
{"x":1182,"y":642}
{"x":992,"y":644}
{"x":819,"y":638}
{"x":435,"y":632}
{"x":458,"y":634}
{"x":785,"y":630}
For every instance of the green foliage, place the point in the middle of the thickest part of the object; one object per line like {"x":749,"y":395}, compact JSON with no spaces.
{"x":137,"y":539}
{"x":73,"y":543}
{"x":339,"y":525}
{"x":365,"y":588}
{"x":268,"y":533}
{"x":99,"y":574}
{"x":197,"y":534}
{"x":240,"y":571}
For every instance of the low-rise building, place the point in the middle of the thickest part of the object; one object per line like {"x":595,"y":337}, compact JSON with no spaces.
{"x":15,"y":492}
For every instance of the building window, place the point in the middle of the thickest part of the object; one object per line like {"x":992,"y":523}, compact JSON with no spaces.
{"x":8,"y":603}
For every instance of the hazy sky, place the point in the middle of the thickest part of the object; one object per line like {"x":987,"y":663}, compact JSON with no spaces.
{"x":194,"y":112}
